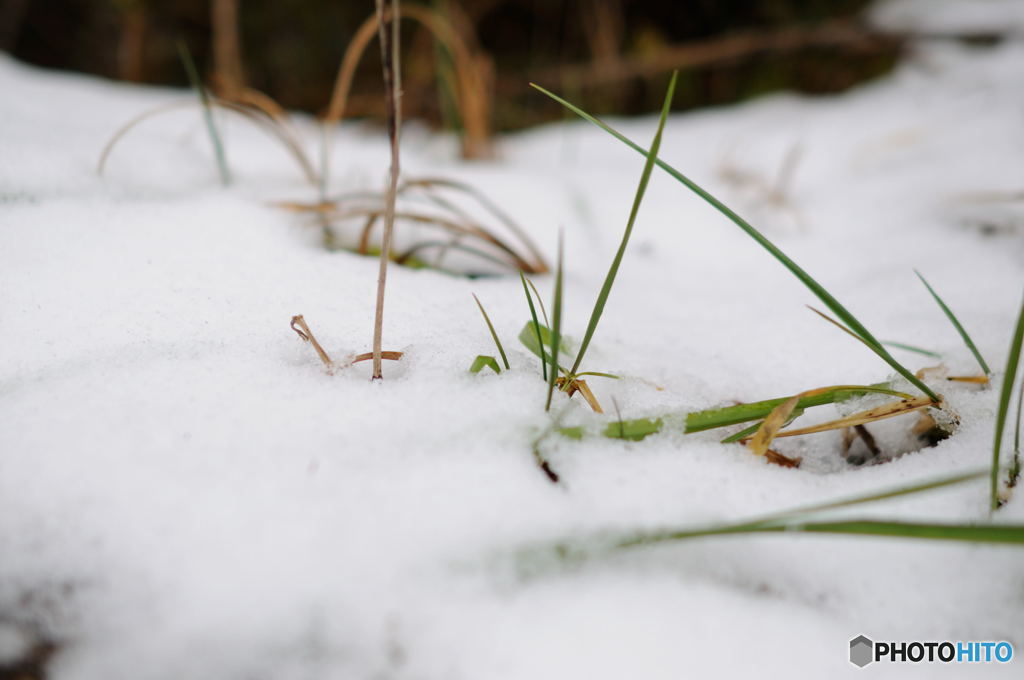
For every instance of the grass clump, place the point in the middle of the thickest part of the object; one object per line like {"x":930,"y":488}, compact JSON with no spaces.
{"x":851,"y":322}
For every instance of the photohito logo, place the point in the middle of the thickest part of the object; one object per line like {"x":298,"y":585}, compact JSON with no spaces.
{"x":863,"y":651}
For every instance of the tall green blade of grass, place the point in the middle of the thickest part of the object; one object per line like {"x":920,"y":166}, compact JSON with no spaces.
{"x":805,"y":519}
{"x":886,"y":494}
{"x":831,"y":302}
{"x":1004,"y":402}
{"x":956,"y":324}
{"x":204,"y":99}
{"x":494,"y":334}
{"x":556,"y":325}
{"x":1015,"y":465}
{"x":536,"y":324}
{"x":1012,"y":534}
{"x":609,"y":281}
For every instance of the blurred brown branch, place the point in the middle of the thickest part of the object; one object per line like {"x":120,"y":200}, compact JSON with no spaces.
{"x":850,"y":34}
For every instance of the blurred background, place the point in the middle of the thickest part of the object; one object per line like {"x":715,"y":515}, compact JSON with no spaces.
{"x":467,"y":63}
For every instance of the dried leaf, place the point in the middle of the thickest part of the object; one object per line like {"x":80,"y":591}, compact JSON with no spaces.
{"x":762,"y":439}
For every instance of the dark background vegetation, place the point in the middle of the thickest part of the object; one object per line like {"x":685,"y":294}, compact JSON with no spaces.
{"x":613,"y":53}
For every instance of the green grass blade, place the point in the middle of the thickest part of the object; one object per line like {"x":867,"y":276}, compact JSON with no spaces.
{"x":912,"y":348}
{"x":1012,"y":534}
{"x":528,"y":337}
{"x":802,"y":519}
{"x":556,"y":327}
{"x":1004,"y":403}
{"x":494,"y":334}
{"x":1015,"y":465}
{"x":634,"y":430}
{"x":956,"y":324}
{"x":197,"y":85}
{"x":838,"y":309}
{"x":710,"y":419}
{"x":483,"y":361}
{"x":606,"y":289}
{"x":536,"y":326}
{"x":876,"y":496}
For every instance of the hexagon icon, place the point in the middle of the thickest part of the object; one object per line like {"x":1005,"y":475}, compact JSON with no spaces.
{"x":861,"y":651}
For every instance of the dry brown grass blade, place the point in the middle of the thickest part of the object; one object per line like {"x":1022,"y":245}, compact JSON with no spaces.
{"x":777,"y":458}
{"x":539,"y":265}
{"x":516,"y":262}
{"x":840,"y":326}
{"x":588,"y":395}
{"x":321,"y":207}
{"x":384,"y":354}
{"x":762,"y":439}
{"x":301,"y":328}
{"x":227,"y":50}
{"x":126,"y":128}
{"x":574,"y":385}
{"x":443,"y":247}
{"x":473,"y":81}
{"x":864,"y":417}
{"x":868,"y":439}
{"x":388,"y":17}
{"x":939,"y":372}
{"x":265,"y":113}
{"x":274,"y":127}
{"x":849,"y":436}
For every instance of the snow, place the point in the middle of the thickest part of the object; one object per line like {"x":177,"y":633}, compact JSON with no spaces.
{"x":952,"y":16}
{"x":185,"y":493}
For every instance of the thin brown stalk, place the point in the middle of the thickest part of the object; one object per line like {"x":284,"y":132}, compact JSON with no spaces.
{"x":301,"y":328}
{"x":385,"y":354}
{"x":372,"y":215}
{"x":389,"y":52}
{"x":846,"y":33}
{"x":762,"y":439}
{"x":865,"y":417}
{"x":574,"y":385}
{"x":473,"y":82}
{"x":868,"y":439}
{"x":227,"y":50}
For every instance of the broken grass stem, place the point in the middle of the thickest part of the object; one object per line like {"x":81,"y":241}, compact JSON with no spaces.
{"x":302,"y":329}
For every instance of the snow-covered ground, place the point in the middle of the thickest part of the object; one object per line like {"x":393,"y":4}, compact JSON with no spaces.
{"x":184,"y":492}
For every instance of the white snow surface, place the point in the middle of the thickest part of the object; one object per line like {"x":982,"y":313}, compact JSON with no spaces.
{"x":951,"y":16}
{"x":185,"y":493}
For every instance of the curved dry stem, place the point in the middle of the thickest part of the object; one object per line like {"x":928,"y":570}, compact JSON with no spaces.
{"x":540,"y":266}
{"x":249,"y":102}
{"x":270,"y":125}
{"x":474,"y":105}
{"x":372,"y":215}
{"x":127,"y":127}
